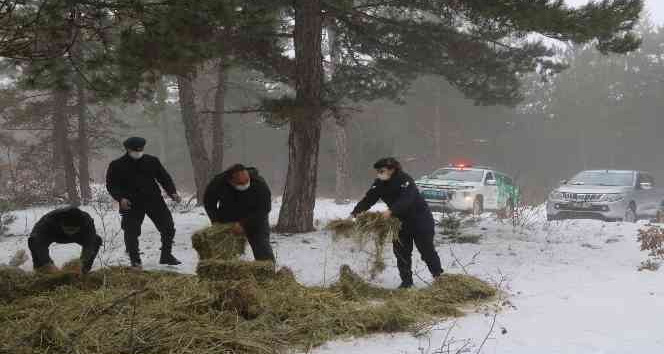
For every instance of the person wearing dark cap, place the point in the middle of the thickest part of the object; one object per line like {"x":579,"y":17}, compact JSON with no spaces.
{"x":241,"y":196}
{"x":397,"y":189}
{"x":132,"y":181}
{"x":65,"y":225}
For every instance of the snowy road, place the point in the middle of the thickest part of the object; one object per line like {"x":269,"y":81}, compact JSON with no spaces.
{"x":573,"y":286}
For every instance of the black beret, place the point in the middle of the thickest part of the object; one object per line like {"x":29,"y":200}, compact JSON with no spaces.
{"x":134,"y":143}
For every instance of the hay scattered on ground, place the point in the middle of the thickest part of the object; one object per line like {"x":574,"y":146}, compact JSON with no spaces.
{"x":220,"y":270}
{"x":218,"y":242}
{"x":232,"y":306}
{"x":368,"y":228}
{"x":118,"y":310}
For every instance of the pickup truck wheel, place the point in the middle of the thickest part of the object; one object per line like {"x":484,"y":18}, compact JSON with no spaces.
{"x":478,"y":206}
{"x":630,"y":213}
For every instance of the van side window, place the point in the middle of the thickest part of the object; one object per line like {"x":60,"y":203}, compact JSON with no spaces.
{"x":645,"y":178}
{"x":489,"y":176}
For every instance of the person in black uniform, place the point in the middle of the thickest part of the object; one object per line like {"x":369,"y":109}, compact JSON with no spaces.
{"x":241,"y":196}
{"x":397,"y":189}
{"x":65,"y":225}
{"x":132,"y":181}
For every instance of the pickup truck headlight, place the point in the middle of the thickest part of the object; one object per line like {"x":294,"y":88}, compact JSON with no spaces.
{"x":612,"y":197}
{"x":555,"y":195}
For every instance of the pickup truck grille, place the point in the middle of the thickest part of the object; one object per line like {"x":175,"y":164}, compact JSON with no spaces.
{"x":436,"y":192}
{"x":582,"y":197}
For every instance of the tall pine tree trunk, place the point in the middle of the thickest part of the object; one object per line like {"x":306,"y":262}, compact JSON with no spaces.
{"x":218,"y":121}
{"x":342,"y":175}
{"x":83,"y":140}
{"x":194,"y":133}
{"x":297,"y":208}
{"x":83,"y":143}
{"x":64,"y":154}
{"x":162,"y":125}
{"x":342,"y":186}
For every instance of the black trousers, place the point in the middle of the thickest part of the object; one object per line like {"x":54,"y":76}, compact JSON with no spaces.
{"x":403,"y":251}
{"x":39,"y":248}
{"x":259,"y":240}
{"x":132,"y":220}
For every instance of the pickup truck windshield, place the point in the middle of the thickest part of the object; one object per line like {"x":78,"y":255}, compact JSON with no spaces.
{"x":603,"y":178}
{"x":458,"y":175}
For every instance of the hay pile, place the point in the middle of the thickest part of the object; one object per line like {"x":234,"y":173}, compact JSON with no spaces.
{"x":218,"y":242}
{"x":118,"y":310}
{"x":234,"y":306}
{"x":368,"y":228}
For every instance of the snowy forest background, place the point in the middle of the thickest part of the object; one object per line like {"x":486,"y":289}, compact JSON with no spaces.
{"x":601,"y":112}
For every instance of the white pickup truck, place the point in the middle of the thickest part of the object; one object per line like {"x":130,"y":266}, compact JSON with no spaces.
{"x":610,"y":195}
{"x":468,"y":188}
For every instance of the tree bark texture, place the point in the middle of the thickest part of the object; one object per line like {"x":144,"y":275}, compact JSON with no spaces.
{"x":297,"y":208}
{"x":194,"y":133}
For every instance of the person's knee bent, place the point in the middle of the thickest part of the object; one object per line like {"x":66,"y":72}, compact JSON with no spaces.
{"x":97,"y":241}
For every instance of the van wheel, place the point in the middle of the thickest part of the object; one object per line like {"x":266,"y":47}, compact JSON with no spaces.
{"x":478,"y":206}
{"x":630,"y":213}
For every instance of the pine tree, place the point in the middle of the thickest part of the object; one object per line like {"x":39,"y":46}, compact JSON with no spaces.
{"x":480,"y":47}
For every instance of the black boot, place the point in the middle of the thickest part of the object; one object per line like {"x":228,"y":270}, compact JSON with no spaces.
{"x":131,"y":244}
{"x":167,"y":256}
{"x":136,"y":263}
{"x":406,"y":284}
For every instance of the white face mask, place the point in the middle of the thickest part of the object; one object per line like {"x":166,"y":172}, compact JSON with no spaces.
{"x":383,"y":176}
{"x":242,"y":187}
{"x":135,"y":154}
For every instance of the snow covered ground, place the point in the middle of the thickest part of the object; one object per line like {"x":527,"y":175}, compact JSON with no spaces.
{"x":570,"y":287}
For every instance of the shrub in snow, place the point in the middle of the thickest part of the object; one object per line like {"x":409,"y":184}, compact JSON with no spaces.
{"x":650,"y":265}
{"x":652,"y":240}
{"x":6,"y":216}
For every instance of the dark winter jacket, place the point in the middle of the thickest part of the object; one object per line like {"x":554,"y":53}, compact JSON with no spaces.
{"x":223,"y":203}
{"x":137,"y":180}
{"x":50,"y":226}
{"x":404,"y":200}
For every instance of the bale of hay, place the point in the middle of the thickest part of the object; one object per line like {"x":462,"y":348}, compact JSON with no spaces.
{"x":218,"y":242}
{"x":224,"y":270}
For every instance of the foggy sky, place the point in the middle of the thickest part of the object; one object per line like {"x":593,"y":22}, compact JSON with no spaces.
{"x":655,"y":9}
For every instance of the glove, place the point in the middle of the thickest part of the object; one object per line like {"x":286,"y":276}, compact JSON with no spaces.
{"x":237,"y":229}
{"x":125,"y":204}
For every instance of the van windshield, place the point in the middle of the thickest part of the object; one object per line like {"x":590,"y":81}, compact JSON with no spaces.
{"x":604,"y":178}
{"x":461,"y":175}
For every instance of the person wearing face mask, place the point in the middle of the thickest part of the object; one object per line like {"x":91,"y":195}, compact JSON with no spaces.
{"x":397,"y":189}
{"x":241,"y":196}
{"x":133,"y":180}
{"x":65,"y":225}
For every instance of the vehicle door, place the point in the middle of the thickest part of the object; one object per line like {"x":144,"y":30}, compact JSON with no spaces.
{"x":490,"y":191}
{"x":505,"y":189}
{"x":647,"y":198}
